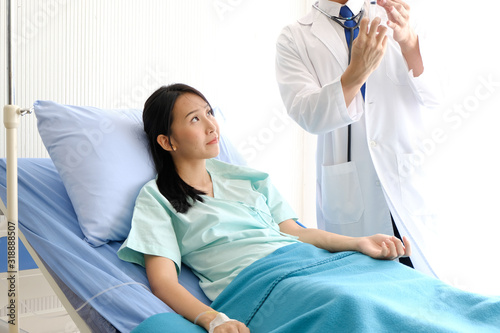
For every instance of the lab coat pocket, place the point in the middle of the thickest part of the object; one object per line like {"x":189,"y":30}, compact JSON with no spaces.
{"x":417,"y":194}
{"x":342,"y":201}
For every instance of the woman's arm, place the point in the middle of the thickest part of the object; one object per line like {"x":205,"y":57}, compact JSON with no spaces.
{"x":377,"y":246}
{"x":162,"y":276}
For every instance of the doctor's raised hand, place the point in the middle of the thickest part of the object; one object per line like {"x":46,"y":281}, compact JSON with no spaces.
{"x":398,"y":13}
{"x":367,"y":53}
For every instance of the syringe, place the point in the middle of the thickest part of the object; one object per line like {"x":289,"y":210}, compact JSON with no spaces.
{"x":373,"y":10}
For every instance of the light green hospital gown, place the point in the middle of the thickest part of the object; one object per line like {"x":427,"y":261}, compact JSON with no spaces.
{"x":216,"y":238}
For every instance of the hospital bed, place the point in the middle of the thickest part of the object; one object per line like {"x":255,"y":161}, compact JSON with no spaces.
{"x":100,"y":292}
{"x":75,"y":211}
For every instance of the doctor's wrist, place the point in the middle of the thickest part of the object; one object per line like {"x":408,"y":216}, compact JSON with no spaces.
{"x":354,"y":76}
{"x":410,"y":44}
{"x":351,"y":84}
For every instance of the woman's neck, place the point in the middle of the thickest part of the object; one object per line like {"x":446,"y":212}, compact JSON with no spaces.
{"x":196,"y":175}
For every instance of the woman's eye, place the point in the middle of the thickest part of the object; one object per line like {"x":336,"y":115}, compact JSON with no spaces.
{"x":195,"y":119}
{"x":211,"y":112}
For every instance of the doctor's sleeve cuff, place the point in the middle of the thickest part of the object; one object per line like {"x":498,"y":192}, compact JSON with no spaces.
{"x":324,"y":110}
{"x":356,"y":108}
{"x":428,"y":85}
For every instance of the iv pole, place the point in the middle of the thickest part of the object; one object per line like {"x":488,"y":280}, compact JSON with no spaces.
{"x":11,"y":115}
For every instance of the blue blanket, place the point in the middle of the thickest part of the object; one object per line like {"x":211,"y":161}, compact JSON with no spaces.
{"x":300,"y":288}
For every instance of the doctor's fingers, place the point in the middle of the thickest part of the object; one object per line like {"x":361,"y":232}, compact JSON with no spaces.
{"x":367,"y":51}
{"x":376,"y":32}
{"x":363,"y":27}
{"x":398,"y":4}
{"x":398,"y":12}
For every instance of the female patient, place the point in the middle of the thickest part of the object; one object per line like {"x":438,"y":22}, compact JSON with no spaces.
{"x":216,"y":218}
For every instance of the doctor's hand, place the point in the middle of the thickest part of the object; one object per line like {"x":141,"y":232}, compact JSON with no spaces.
{"x":399,"y":21}
{"x":384,"y":247}
{"x":368,"y":49}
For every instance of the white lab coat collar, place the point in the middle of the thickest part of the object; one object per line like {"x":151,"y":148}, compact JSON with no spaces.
{"x":322,"y":28}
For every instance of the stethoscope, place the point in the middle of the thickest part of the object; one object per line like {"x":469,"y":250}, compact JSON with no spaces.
{"x":340,"y":21}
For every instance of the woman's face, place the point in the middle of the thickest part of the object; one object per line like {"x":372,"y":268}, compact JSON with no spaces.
{"x":194,"y":130}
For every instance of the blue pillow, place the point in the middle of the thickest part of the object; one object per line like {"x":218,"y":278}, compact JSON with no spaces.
{"x":103,"y":159}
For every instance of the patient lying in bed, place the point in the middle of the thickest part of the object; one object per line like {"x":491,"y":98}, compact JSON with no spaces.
{"x":261,"y":269}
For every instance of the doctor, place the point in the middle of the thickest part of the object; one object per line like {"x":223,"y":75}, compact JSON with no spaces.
{"x":322,"y":93}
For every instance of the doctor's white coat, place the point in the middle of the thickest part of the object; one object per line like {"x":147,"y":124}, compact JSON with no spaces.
{"x":354,"y":198}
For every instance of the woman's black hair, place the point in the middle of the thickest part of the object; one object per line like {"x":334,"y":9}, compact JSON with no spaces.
{"x":157,"y":118}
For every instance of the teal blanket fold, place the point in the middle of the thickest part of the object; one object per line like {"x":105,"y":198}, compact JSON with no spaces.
{"x":300,"y":288}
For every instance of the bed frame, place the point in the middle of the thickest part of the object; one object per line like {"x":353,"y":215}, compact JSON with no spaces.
{"x":14,"y":326}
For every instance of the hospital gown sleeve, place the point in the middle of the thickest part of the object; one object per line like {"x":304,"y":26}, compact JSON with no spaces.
{"x":151,"y":231}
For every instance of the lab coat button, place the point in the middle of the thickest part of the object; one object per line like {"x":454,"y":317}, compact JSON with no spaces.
{"x":373,"y":144}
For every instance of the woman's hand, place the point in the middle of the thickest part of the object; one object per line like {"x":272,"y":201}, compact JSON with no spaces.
{"x":377,"y":246}
{"x":232,"y":326}
{"x":384,"y":247}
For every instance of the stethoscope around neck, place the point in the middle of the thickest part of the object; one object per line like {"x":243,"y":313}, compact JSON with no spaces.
{"x":340,"y":21}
